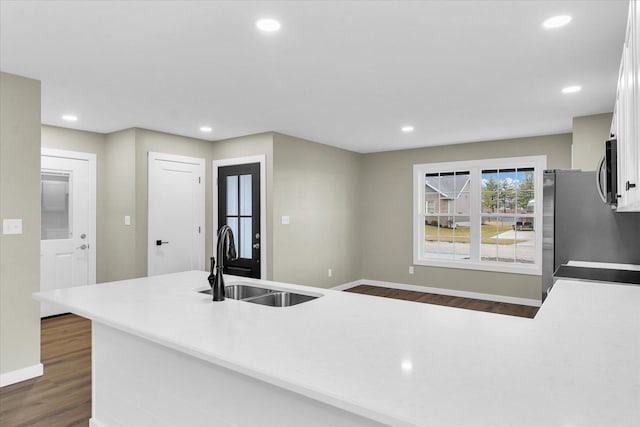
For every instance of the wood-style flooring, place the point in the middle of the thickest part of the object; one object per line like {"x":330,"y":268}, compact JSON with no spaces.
{"x":62,"y":396}
{"x":468,"y":303}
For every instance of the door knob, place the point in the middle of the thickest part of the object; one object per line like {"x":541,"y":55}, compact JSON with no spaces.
{"x":83,"y":247}
{"x":256,"y":246}
{"x":160,"y":243}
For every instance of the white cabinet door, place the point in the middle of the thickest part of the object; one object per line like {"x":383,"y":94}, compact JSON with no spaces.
{"x":627,"y":116}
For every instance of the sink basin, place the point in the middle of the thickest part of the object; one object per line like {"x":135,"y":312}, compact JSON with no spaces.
{"x":244,"y":291}
{"x":262,"y":296}
{"x":281,"y":299}
{"x":241,"y":291}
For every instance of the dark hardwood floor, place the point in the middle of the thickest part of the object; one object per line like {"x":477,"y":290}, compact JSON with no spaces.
{"x":468,"y":303}
{"x":62,"y":396}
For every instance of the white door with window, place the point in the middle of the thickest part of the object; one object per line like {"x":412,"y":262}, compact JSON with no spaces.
{"x":68,"y":212}
{"x":176,"y":214}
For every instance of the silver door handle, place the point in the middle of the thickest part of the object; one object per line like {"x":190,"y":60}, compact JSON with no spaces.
{"x":256,"y":246}
{"x":83,"y":247}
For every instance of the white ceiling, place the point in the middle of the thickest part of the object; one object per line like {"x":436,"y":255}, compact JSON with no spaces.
{"x":343,"y":73}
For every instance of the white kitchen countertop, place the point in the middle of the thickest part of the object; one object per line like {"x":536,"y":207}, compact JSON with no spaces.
{"x":402,"y":363}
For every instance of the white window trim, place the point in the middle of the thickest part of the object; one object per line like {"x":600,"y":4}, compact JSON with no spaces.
{"x":475,"y":167}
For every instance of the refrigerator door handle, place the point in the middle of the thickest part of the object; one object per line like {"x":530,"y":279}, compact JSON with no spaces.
{"x":599,"y":185}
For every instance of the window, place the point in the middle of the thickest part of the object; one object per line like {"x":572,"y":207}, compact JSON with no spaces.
{"x":479,"y":214}
{"x":55,"y":209}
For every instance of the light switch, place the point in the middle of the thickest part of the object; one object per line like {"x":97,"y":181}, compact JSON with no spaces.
{"x":127,"y":220}
{"x":12,"y":226}
{"x":284,"y":220}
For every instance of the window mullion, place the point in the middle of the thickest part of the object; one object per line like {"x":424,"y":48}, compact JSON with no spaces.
{"x":474,"y":213}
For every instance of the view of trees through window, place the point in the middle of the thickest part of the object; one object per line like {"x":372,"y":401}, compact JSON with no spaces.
{"x":507,"y":215}
{"x":507,"y":229}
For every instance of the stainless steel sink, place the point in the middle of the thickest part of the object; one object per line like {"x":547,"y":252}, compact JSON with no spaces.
{"x":263,"y":296}
{"x":241,"y":292}
{"x":281,"y":299}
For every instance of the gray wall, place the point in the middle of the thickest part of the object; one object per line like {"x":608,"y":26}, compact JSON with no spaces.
{"x":19,"y":198}
{"x":387,"y":220}
{"x":318,"y":187}
{"x":589,"y":134}
{"x":87,"y":142}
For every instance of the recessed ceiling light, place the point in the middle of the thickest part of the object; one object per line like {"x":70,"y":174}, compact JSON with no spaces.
{"x":268,"y":25}
{"x":407,"y":129}
{"x":206,"y":128}
{"x":557,"y":21}
{"x":70,"y":118}
{"x":572,"y":89}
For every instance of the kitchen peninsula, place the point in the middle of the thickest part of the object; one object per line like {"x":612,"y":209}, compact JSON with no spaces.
{"x":165,"y":354}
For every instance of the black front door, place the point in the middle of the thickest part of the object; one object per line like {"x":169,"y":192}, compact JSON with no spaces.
{"x":239,"y":208}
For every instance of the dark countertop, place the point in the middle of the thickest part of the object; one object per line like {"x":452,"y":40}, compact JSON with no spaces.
{"x":598,"y":274}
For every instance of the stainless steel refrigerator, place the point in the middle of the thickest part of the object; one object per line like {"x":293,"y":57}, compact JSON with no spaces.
{"x":578,"y":226}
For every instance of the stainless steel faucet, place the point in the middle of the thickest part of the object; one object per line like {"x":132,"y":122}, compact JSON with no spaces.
{"x":226,"y":250}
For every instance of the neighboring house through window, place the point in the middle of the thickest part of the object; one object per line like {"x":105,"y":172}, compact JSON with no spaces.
{"x":479,"y":214}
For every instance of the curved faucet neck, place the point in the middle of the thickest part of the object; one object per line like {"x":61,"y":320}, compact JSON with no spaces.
{"x":226,"y":246}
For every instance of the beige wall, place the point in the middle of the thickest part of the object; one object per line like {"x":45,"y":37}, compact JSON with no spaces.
{"x":87,"y":142}
{"x":252,"y":145}
{"x":589,"y":135}
{"x":119,"y":200}
{"x":19,"y":198}
{"x":387,"y":221}
{"x":318,"y":187}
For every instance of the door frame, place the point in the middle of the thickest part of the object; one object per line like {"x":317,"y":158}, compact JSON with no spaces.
{"x":91,"y":159}
{"x":153,"y":156}
{"x":262,"y":159}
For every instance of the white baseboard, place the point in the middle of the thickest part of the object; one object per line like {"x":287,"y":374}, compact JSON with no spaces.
{"x":23,"y":374}
{"x":348,"y":285}
{"x":442,"y":291}
{"x":95,"y":423}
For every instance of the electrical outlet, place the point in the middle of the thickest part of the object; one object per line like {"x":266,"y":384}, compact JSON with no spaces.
{"x":330,"y":273}
{"x":411,"y":269}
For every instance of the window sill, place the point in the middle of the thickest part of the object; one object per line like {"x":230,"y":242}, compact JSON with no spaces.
{"x":528,"y":269}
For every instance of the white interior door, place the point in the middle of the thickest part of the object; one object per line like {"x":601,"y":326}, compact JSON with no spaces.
{"x":176,"y":214}
{"x":67,"y":245}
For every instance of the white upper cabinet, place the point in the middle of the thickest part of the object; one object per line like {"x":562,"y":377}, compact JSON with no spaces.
{"x":626,"y":122}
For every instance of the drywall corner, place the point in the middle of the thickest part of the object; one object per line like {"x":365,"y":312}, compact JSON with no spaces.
{"x":318,"y":187}
{"x":20,"y":199}
{"x":120,"y":200}
{"x":589,"y":135}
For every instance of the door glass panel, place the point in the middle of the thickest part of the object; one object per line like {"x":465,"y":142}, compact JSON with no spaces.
{"x":245,"y":237}
{"x":55,"y":206}
{"x":232,"y":195}
{"x":232,"y":222}
{"x":245,"y":194}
